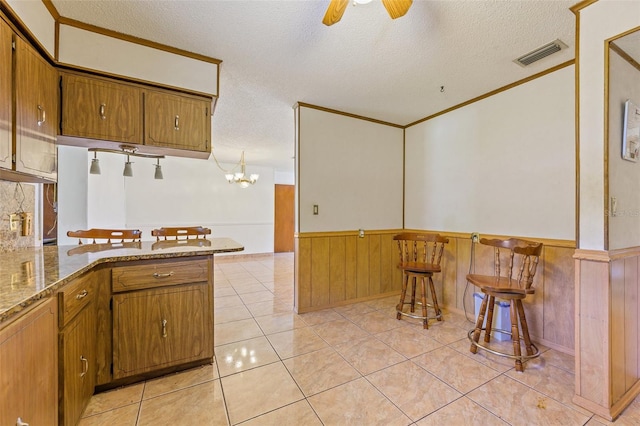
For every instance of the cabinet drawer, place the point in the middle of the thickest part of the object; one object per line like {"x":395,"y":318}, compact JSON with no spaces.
{"x":136,"y":277}
{"x":75,"y":296}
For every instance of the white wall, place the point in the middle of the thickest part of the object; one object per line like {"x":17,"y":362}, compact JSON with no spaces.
{"x":193,"y":192}
{"x":599,"y":21}
{"x":96,"y":51}
{"x":39,"y":21}
{"x":350,"y":168}
{"x":624,"y":176}
{"x":504,"y":165}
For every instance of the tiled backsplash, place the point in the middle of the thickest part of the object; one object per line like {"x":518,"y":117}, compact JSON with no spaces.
{"x":14,"y":198}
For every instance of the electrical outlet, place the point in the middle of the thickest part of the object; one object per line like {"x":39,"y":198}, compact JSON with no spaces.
{"x":475,"y":237}
{"x":361,"y":233}
{"x":315,"y":209}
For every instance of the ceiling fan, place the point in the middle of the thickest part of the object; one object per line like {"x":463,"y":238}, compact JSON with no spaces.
{"x":396,"y":9}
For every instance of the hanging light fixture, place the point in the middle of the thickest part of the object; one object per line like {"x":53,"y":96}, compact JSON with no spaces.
{"x":158,"y":174}
{"x":129,"y":151}
{"x":95,"y":165}
{"x":239,"y":177}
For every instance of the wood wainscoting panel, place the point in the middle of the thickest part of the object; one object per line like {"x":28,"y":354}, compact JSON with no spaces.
{"x":320,"y":267}
{"x":351,"y":266}
{"x":617,"y":284}
{"x":593,"y":332}
{"x":362,"y":266}
{"x":302,"y":275}
{"x":374,"y":264}
{"x":338,"y":270}
{"x":388,"y":264}
{"x":631,"y":338}
{"x":559,"y":295}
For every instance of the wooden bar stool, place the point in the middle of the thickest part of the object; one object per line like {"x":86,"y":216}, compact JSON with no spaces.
{"x":111,"y":235}
{"x":167,"y":237}
{"x":420,"y":256}
{"x":513,"y":286}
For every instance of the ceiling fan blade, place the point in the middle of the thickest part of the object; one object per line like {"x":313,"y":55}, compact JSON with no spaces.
{"x":397,"y":8}
{"x":335,"y":11}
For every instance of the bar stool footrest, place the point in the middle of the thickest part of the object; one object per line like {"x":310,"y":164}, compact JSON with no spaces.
{"x":536,"y":351}
{"x":438,"y":316}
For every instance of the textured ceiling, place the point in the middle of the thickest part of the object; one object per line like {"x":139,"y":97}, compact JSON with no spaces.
{"x":630,"y":44}
{"x":276,"y":53}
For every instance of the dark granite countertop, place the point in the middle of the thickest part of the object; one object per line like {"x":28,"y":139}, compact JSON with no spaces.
{"x":28,"y":275}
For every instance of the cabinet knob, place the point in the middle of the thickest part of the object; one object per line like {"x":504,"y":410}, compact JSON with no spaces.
{"x":82,"y":294}
{"x":176,"y":123}
{"x":164,"y":328}
{"x":19,"y":422}
{"x":42,"y":115}
{"x":85,"y":366}
{"x":102,"y":116}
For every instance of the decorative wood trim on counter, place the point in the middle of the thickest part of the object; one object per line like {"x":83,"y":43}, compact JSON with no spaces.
{"x":136,"y":40}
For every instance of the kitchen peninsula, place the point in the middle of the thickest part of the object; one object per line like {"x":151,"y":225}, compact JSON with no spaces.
{"x":75,"y":319}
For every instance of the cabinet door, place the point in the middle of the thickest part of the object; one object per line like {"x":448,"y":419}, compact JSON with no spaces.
{"x":153,"y":329}
{"x":36,"y":113}
{"x":175,"y":121}
{"x":5,"y":95}
{"x":100,"y":109}
{"x":77,"y":354}
{"x":29,"y":368}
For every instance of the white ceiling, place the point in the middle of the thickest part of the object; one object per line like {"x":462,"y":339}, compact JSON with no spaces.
{"x":276,"y":53}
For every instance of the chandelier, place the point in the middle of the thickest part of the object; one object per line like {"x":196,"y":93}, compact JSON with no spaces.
{"x":239,"y":177}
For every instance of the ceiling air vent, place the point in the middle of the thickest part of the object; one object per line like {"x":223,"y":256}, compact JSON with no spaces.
{"x":541,"y":52}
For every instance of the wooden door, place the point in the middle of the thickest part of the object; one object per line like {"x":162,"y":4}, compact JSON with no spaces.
{"x":284,"y":218}
{"x":175,"y":121}
{"x":36,"y":113}
{"x":78,"y":375}
{"x":29,"y":368}
{"x":153,"y":329}
{"x":5,"y":95}
{"x":101,"y":109}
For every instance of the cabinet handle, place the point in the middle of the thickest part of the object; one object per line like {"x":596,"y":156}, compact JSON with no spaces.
{"x":85,"y":366}
{"x":102,"y":116}
{"x":162,"y":274}
{"x":82,"y":294}
{"x":42,"y":115}
{"x":19,"y":422}
{"x":176,"y":123}
{"x":164,"y":328}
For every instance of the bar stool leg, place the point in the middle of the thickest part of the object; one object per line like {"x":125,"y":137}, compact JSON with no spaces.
{"x":425,"y":321}
{"x":435,"y":299}
{"x":413,"y":294}
{"x":400,"y":306}
{"x":479,"y":321}
{"x":525,"y":327}
{"x":515,"y":337}
{"x":489,"y":326}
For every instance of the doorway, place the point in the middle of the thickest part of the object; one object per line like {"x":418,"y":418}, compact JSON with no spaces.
{"x":284,"y":218}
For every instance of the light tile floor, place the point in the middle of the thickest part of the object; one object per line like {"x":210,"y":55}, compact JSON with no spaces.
{"x":353,"y":365}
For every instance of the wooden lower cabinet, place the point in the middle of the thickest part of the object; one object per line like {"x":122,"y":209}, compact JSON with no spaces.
{"x":78,"y":362}
{"x":29,"y":368}
{"x":159,"y":328}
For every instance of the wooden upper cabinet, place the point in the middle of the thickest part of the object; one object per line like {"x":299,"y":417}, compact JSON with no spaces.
{"x":101,"y":109}
{"x":176,"y":121}
{"x":5,"y":95}
{"x":37,"y":99}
